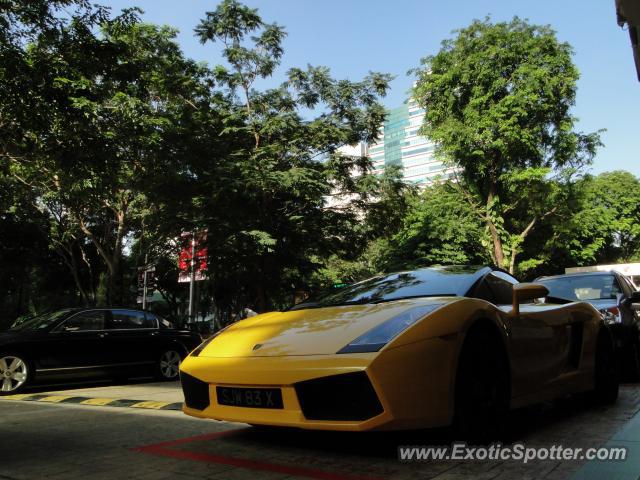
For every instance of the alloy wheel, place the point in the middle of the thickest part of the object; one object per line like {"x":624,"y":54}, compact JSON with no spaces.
{"x":170,"y":364}
{"x":13,"y":373}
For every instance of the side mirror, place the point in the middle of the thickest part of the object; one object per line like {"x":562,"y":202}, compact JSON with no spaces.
{"x":525,"y":292}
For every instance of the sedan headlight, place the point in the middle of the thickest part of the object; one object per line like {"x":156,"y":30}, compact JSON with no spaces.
{"x":379,"y":336}
{"x":611,"y":315}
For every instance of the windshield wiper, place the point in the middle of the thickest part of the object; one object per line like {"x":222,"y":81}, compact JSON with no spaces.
{"x":408,"y":297}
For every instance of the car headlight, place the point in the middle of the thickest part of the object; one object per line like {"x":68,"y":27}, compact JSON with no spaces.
{"x":379,"y":336}
{"x":198,"y":350}
{"x":611,"y":315}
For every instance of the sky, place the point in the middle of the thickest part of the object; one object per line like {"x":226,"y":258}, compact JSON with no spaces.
{"x":353,"y":37}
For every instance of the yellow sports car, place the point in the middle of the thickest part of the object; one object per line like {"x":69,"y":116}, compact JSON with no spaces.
{"x":430,"y":347}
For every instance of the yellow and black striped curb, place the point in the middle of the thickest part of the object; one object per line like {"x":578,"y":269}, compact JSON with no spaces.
{"x":94,"y":401}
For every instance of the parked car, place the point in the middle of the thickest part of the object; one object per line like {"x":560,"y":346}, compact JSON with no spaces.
{"x":80,"y":343}
{"x":424,"y":348}
{"x":619,"y":302}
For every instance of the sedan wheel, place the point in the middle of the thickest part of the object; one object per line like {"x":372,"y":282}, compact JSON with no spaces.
{"x":169,"y":366}
{"x":14,"y":373}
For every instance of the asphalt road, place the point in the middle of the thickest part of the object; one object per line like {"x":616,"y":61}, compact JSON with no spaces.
{"x":59,"y":441}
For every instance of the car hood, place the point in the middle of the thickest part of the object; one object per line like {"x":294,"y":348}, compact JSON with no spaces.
{"x":318,"y":331}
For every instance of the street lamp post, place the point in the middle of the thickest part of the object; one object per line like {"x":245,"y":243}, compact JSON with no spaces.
{"x":192,"y":278}
{"x":144,"y":283}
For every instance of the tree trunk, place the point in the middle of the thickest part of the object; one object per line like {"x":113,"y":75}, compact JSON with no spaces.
{"x":261,"y":298}
{"x":111,"y":258}
{"x":498,"y":248}
{"x":512,"y":260}
{"x":66,"y":253}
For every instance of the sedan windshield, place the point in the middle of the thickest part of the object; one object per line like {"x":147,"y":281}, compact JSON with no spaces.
{"x":41,"y":322}
{"x":425,"y":282}
{"x":584,"y":287}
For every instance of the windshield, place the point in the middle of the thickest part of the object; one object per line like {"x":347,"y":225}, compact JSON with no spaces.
{"x":587,"y":287}
{"x":42,"y":321}
{"x":425,"y":282}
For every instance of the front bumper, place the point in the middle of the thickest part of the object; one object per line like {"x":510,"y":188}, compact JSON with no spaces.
{"x":412,"y":384}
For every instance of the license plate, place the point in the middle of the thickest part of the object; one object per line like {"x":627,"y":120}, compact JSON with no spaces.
{"x":250,"y":397}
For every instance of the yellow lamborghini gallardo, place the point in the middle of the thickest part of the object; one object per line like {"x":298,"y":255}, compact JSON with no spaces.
{"x":424,"y":348}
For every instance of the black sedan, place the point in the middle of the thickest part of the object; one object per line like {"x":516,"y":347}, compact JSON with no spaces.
{"x":73,"y":344}
{"x":618,"y":301}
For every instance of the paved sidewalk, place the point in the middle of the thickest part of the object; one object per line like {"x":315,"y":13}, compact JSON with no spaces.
{"x":73,"y":442}
{"x":146,"y":395}
{"x":629,"y":469}
{"x":169,"y":392}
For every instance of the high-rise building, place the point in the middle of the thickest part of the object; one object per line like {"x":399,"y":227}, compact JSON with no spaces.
{"x":400,"y":144}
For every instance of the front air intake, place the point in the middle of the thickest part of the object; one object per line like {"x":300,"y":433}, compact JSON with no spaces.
{"x":349,"y":396}
{"x":196,"y":392}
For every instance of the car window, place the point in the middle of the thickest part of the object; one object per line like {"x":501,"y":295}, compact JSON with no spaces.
{"x":85,"y":321}
{"x":41,"y":322}
{"x":129,"y":319}
{"x":153,"y":320}
{"x":163,"y":323}
{"x":483,"y":292}
{"x":626,"y":285}
{"x":616,"y":289}
{"x":583,"y":287}
{"x":501,"y":285}
{"x":433,"y":281}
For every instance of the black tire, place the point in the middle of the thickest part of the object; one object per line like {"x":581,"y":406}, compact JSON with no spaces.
{"x":606,"y":375}
{"x":482,"y":394}
{"x":167,"y":370}
{"x":15,"y":373}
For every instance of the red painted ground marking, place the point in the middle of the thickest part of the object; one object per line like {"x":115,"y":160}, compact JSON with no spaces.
{"x":206,"y":436}
{"x":163,"y":450}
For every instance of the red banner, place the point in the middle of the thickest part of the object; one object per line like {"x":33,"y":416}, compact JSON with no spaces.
{"x":184,"y":259}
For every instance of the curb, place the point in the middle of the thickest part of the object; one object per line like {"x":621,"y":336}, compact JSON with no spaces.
{"x":93,"y":401}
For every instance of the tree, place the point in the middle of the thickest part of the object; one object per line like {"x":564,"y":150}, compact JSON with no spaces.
{"x":605,"y":223}
{"x":440,"y":228}
{"x":268,"y":228}
{"x":498,"y":100}
{"x":92,"y":154}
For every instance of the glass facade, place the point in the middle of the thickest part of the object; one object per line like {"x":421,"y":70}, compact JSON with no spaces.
{"x":400,"y":144}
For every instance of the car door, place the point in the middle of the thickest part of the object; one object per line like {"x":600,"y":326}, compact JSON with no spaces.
{"x":78,"y":343}
{"x":133,"y":336}
{"x":548,"y":341}
{"x":533,"y":336}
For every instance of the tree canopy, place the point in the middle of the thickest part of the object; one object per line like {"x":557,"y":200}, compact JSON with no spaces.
{"x":498,"y":100}
{"x":113,"y":144}
{"x":120,"y":144}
